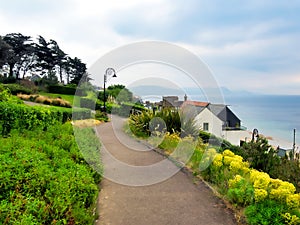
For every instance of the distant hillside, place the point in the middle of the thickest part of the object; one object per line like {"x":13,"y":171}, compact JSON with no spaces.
{"x":209,"y":94}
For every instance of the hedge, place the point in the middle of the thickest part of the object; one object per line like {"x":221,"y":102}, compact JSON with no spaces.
{"x":19,"y":116}
{"x":66,"y":90}
{"x":17,"y":89}
{"x":87,"y":103}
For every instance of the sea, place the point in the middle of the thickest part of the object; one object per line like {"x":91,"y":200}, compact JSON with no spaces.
{"x":274,"y":116}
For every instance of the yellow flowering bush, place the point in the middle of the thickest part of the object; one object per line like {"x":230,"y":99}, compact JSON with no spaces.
{"x":260,"y":194}
{"x":293,"y":201}
{"x":232,"y":183}
{"x":282,"y":191}
{"x":244,"y":186}
{"x":259,"y":179}
{"x":239,"y":167}
{"x":275,"y":183}
{"x":218,"y":160}
{"x":291,"y":219}
{"x":228,"y":153}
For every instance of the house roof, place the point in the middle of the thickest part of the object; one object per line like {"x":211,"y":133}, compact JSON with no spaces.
{"x":222,"y":112}
{"x":195,"y":103}
{"x":219,"y":110}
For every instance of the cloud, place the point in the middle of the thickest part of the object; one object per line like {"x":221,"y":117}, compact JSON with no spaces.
{"x":241,"y":41}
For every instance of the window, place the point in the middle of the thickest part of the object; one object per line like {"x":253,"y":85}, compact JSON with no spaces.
{"x":205,"y":126}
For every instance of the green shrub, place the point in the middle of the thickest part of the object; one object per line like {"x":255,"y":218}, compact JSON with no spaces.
{"x":45,"y":178}
{"x":16,"y":89}
{"x":267,"y":213}
{"x":62,"y":89}
{"x":139,"y":123}
{"x":18,"y":116}
{"x":242,"y":193}
{"x":101,"y":116}
{"x":87,"y":103}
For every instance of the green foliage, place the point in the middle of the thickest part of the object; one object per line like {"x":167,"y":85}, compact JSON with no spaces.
{"x":87,"y":103}
{"x":176,"y":122}
{"x":4,"y":94}
{"x":214,"y":140}
{"x":101,"y":116}
{"x":139,"y":123}
{"x":242,"y":193}
{"x":18,"y":116}
{"x":57,"y":89}
{"x":266,"y":213}
{"x":16,"y":89}
{"x":119,"y":92}
{"x":127,"y":108}
{"x":45,"y":179}
{"x":262,"y":156}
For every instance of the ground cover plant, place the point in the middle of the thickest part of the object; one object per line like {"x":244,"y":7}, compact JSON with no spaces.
{"x":45,"y":179}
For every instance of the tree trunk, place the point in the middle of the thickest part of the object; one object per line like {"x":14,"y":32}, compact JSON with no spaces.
{"x":11,"y":71}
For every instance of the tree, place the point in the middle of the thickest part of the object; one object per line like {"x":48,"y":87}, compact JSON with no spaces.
{"x":120,"y":93}
{"x":45,"y":57}
{"x":4,"y":48}
{"x":77,"y":70}
{"x":20,"y":45}
{"x":60,"y":59}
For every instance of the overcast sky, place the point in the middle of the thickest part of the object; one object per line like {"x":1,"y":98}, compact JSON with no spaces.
{"x":249,"y":45}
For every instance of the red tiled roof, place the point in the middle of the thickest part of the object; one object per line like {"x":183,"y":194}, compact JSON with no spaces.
{"x":195,"y":103}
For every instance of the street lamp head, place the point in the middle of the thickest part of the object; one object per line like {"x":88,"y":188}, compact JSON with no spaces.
{"x":110,"y":72}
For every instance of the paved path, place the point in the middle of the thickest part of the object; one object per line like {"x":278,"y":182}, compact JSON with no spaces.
{"x":175,"y":201}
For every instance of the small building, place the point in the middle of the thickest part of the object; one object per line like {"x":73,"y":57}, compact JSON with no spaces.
{"x":281,"y":152}
{"x":169,"y":102}
{"x":218,"y":119}
{"x":34,"y":78}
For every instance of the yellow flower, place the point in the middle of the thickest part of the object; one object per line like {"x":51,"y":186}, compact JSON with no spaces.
{"x":228,"y":153}
{"x":233,"y":182}
{"x":262,"y":181}
{"x":291,"y":219}
{"x":260,"y":194}
{"x":275,"y":183}
{"x":282,"y":191}
{"x":218,"y":160}
{"x":293,"y":201}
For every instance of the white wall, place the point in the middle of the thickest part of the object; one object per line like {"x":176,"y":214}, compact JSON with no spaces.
{"x":235,"y":136}
{"x":215,"y":124}
{"x":215,"y":127}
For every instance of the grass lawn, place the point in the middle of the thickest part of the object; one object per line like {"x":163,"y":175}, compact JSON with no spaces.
{"x":69,"y":98}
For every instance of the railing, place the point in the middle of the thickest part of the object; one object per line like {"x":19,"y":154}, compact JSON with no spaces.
{"x":234,"y":128}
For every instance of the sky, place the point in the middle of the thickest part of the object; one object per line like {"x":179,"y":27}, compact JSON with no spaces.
{"x":248,"y":45}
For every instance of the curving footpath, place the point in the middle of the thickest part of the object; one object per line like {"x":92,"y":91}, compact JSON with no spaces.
{"x":175,"y":201}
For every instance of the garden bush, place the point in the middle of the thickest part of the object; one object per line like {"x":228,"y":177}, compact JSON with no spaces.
{"x":88,"y":103}
{"x":20,"y":116}
{"x":64,"y":90}
{"x":45,"y":178}
{"x":16,"y":89}
{"x":242,"y":185}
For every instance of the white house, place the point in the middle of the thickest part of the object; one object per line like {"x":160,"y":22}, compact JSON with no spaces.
{"x":219,"y":120}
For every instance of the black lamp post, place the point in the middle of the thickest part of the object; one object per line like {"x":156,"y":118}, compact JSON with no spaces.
{"x":110,"y":72}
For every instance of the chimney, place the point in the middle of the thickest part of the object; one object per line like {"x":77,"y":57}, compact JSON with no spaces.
{"x":185,"y":98}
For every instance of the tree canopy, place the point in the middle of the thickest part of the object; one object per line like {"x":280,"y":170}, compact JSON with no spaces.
{"x":21,"y":54}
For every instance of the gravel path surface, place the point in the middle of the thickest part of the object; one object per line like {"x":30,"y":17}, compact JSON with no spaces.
{"x":174,"y":200}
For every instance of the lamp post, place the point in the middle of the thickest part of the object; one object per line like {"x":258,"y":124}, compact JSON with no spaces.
{"x":110,"y":72}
